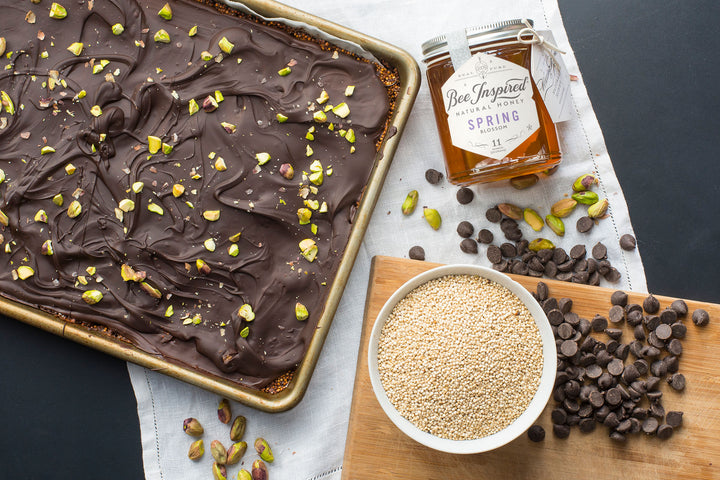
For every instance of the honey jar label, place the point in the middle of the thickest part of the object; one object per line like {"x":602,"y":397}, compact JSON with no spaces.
{"x":552,"y":79}
{"x":489,"y":105}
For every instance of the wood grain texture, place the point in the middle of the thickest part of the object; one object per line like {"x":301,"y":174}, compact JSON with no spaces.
{"x":377,"y":449}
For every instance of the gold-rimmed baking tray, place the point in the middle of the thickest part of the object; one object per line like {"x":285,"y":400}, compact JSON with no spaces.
{"x":100,"y":339}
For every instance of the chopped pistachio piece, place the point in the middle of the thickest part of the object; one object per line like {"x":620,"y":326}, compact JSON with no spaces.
{"x":91,"y":297}
{"x":341,"y":110}
{"x":3,"y":45}
{"x":314,"y":229}
{"x":304,"y":215}
{"x":193,"y":31}
{"x":324,"y":97}
{"x":209,"y":245}
{"x":281,"y":118}
{"x":167,"y":149}
{"x":165,"y":12}
{"x":46,"y":150}
{"x":202,"y":266}
{"x":350,"y":135}
{"x":308,"y":151}
{"x":57,"y":11}
{"x":349,"y":90}
{"x":352,"y":149}
{"x":220,"y":165}
{"x":262,"y":158}
{"x":219,"y":96}
{"x":154,"y":144}
{"x":126,"y":205}
{"x":150,"y":290}
{"x":236,"y":237}
{"x":312,"y":203}
{"x":316,"y":178}
{"x":97,"y":68}
{"x":137,"y":187}
{"x":301,"y":312}
{"x":4,"y":220}
{"x":178,"y":190}
{"x":70,"y":169}
{"x":47,"y":248}
{"x":81,"y":94}
{"x":319,"y":116}
{"x":169,"y":311}
{"x":193,"y":107}
{"x":197,"y":319}
{"x":82,"y":280}
{"x":245,"y":332}
{"x":91,"y":270}
{"x":2,"y":175}
{"x":118,"y":29}
{"x":323,"y":208}
{"x":74,"y":209}
{"x":41,"y":216}
{"x":316,"y":166}
{"x":283,"y":72}
{"x":75,"y":48}
{"x":211,"y":215}
{"x":233,"y":250}
{"x":225,"y":45}
{"x":229,"y":127}
{"x":58,"y":200}
{"x":155,"y":208}
{"x":96,"y":111}
{"x":309,"y":136}
{"x":24,"y":272}
{"x":161,"y":36}
{"x":7,"y":102}
{"x":246,"y":312}
{"x":205,"y":55}
{"x":309,"y":249}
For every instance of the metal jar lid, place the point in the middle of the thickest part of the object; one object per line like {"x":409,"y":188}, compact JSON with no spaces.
{"x":503,"y":30}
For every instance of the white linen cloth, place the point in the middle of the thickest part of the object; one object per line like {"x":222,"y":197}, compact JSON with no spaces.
{"x":309,"y":440}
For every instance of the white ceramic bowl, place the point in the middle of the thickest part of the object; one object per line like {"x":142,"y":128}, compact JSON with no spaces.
{"x":524,"y":421}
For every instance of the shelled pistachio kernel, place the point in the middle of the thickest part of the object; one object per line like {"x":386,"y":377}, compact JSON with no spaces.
{"x":229,"y":127}
{"x":192,"y":427}
{"x":24,"y":272}
{"x":41,"y":216}
{"x":263,"y":449}
{"x":209,"y":245}
{"x":324,"y":97}
{"x":126,"y":205}
{"x":154,"y":144}
{"x":137,"y":187}
{"x":308,"y":249}
{"x":287,"y":171}
{"x":237,"y":430}
{"x":533,"y":219}
{"x":74,"y":209}
{"x":150,"y":290}
{"x":57,"y":11}
{"x":197,"y":449}
{"x":219,"y":97}
{"x":161,"y":36}
{"x":211,"y":215}
{"x":226,"y":45}
{"x":219,"y":471}
{"x":47,"y":150}
{"x":283,"y":72}
{"x":193,"y":31}
{"x":350,"y":135}
{"x":7,"y":102}
{"x":301,"y":311}
{"x":432,"y":217}
{"x":118,"y":29}
{"x":308,"y":151}
{"x":165,"y":12}
{"x":206,"y":56}
{"x":4,"y":220}
{"x":58,"y":200}
{"x":281,"y":118}
{"x":342,"y":110}
{"x":167,"y":148}
{"x":408,"y":206}
{"x":202,"y":266}
{"x":246,"y":312}
{"x":3,"y":45}
{"x":245,"y":332}
{"x":75,"y":48}
{"x":235,"y":452}
{"x":155,"y":208}
{"x":244,"y":475}
{"x":91,"y":297}
{"x":262,"y":158}
{"x":47,"y":248}
{"x":233,"y":250}
{"x":178,"y":190}
{"x":304,"y":215}
{"x":169,"y":311}
{"x":193,"y":107}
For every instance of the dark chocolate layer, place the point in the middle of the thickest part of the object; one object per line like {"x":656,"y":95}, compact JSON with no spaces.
{"x":143,"y":89}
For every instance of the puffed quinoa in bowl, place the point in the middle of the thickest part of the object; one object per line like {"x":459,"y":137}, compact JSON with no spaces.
{"x":462,"y":359}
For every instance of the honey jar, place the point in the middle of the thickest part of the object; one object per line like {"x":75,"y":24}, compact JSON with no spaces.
{"x":493,"y":122}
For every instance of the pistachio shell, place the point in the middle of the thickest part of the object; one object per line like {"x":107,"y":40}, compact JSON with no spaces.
{"x":586,"y":198}
{"x":598,"y":209}
{"x":524,"y":181}
{"x":563,"y":208}
{"x":583,"y":182}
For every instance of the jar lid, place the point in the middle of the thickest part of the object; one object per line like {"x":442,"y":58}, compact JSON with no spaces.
{"x":476,"y":35}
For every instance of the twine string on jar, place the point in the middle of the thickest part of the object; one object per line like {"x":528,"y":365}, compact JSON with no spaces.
{"x":536,"y":37}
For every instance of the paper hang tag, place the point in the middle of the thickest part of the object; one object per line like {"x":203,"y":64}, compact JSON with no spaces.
{"x":552,"y":79}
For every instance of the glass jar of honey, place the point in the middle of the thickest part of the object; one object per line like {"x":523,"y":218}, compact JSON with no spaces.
{"x":492,"y":120}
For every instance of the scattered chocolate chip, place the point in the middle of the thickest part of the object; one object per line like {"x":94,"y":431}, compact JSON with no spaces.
{"x":663,"y":331}
{"x":700,"y":317}
{"x":593,"y":371}
{"x":674,"y":419}
{"x":677,"y":381}
{"x":587,"y":425}
{"x":598,"y":323}
{"x":485,"y":236}
{"x":565,"y":331}
{"x":668,"y":316}
{"x":614,"y":333}
{"x":561,"y":431}
{"x":493,"y":215}
{"x":613,"y":275}
{"x":672,"y":363}
{"x":508,"y":250}
{"x":560,"y":255}
{"x":674,"y":347}
{"x":433,"y":176}
{"x":615,"y":367}
{"x":639,"y":333}
{"x":543,"y":292}
{"x":519,"y":268}
{"x":494,"y":254}
{"x":577,"y":252}
{"x":618,"y":437}
{"x":664,"y":432}
{"x":651,"y":322}
{"x":619,"y":297}
{"x":599,"y":251}
{"x":627,"y":242}
{"x":464,"y":196}
{"x":465,"y":229}
{"x":551,"y":269}
{"x":584,"y":224}
{"x":658,"y":368}
{"x":536,"y":433}
{"x":559,"y":416}
{"x":680,"y":307}
{"x":616,"y":314}
{"x":500,"y":266}
{"x":468,"y":245}
{"x":650,"y":425}
{"x":651,"y":304}
{"x":555,"y":317}
{"x":568,"y":348}
{"x":634,"y":318}
{"x":417,"y":253}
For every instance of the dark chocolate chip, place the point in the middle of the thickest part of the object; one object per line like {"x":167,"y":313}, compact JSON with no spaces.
{"x":672,"y":363}
{"x":640,"y":413}
{"x":545,"y":255}
{"x":604,"y":267}
{"x":485,"y":236}
{"x":674,"y":347}
{"x":611,"y":420}
{"x":558,"y":416}
{"x":636,"y":348}
{"x":577,"y":252}
{"x":551,"y":269}
{"x":658,"y":368}
{"x":651,"y":304}
{"x":468,"y":245}
{"x":700,"y":317}
{"x":611,"y":346}
{"x":536,"y":433}
{"x":616,"y":314}
{"x":568,"y":348}
{"x":603,"y":358}
{"x":587,"y":425}
{"x":508,"y":250}
{"x":571,"y":317}
{"x":664,"y":432}
{"x":559,"y":255}
{"x":494,"y":254}
{"x":677,"y":381}
{"x":522,"y":247}
{"x":627,"y":242}
{"x":564,"y":276}
{"x":639,"y":333}
{"x":493,"y":215}
{"x":656,"y":408}
{"x":624,"y":426}
{"x":573,"y":419}
{"x":615,"y":367}
{"x":550,"y":304}
{"x":614,"y":333}
{"x":566,"y":266}
{"x":619,"y":297}
{"x":583,"y":326}
{"x":652,"y":383}
{"x":543,"y":292}
{"x":633,"y":307}
{"x":519,"y":268}
{"x":622,"y":351}
{"x":593,"y":371}
{"x":465,"y":229}
{"x":598,"y":323}
{"x":417,"y":253}
{"x":680,"y":307}
{"x":618,"y":437}
{"x":536,"y":265}
{"x":580,"y":277}
{"x":613,"y":275}
{"x":649,"y":351}
{"x":650,"y":425}
{"x":555,"y":317}
{"x":580,"y":266}
{"x":501,"y":266}
{"x":464,"y":196}
{"x":668,"y":316}
{"x":599,"y":251}
{"x":642,"y":366}
{"x":433,"y":176}
{"x":561,"y":431}
{"x":663,"y":331}
{"x":565,"y":331}
{"x":634,"y":318}
{"x":651,"y":322}
{"x":630,"y":374}
{"x":674,"y":418}
{"x":584,"y":224}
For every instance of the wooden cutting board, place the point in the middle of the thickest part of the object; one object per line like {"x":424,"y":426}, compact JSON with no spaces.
{"x":377,"y":449}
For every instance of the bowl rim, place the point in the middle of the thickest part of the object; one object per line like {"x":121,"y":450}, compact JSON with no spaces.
{"x":520,"y":424}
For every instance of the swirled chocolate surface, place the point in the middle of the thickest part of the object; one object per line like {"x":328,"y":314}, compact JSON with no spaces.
{"x":77,"y":126}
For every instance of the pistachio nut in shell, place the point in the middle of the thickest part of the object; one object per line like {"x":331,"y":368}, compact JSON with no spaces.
{"x":586,"y":198}
{"x":192,"y":427}
{"x":555,"y":224}
{"x":563,"y":208}
{"x":235,"y":452}
{"x":259,"y":470}
{"x":219,"y":471}
{"x":584,"y":182}
{"x":510,"y":210}
{"x":432,"y":217}
{"x":197,"y":449}
{"x":218,"y":452}
{"x":410,"y":203}
{"x":524,"y":181}
{"x":598,"y":209}
{"x":244,"y":475}
{"x":237,"y":430}
{"x":223,"y":411}
{"x":540,"y":244}
{"x":263,"y":449}
{"x":533,"y":219}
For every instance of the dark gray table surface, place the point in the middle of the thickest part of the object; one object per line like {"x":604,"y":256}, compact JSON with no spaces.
{"x":651,"y":70}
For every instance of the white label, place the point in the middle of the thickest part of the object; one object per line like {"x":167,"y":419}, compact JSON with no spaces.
{"x":489,"y":105}
{"x":552,"y":79}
